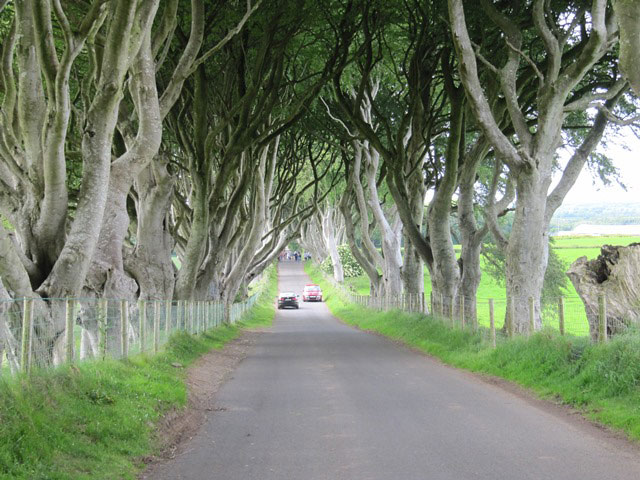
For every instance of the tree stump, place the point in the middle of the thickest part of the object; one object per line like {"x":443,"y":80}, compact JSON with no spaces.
{"x":613,"y":274}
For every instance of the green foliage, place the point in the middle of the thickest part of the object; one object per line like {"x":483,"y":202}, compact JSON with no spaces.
{"x":350,"y":265}
{"x":97,"y":419}
{"x":603,"y":381}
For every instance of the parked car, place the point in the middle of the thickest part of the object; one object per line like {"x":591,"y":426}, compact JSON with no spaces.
{"x":288,"y":299}
{"x":312,"y":293}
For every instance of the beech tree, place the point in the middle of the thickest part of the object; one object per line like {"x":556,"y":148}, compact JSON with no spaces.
{"x":628,"y":13}
{"x":572,"y":43}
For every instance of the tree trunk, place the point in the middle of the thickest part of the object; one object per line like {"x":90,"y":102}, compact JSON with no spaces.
{"x":628,"y":13}
{"x":413,"y":266}
{"x":391,"y":258}
{"x":471,"y":235}
{"x":614,"y":275}
{"x":150,"y":262}
{"x":328,"y":233}
{"x":527,"y":252}
{"x":445,"y":265}
{"x":196,"y":243}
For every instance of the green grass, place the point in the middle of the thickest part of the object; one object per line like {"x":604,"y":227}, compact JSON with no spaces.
{"x":602,"y":381}
{"x":587,"y":241}
{"x":96,"y":420}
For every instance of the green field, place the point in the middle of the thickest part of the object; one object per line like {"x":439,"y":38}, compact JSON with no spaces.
{"x":568,"y":249}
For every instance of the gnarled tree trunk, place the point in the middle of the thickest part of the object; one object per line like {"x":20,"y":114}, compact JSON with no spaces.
{"x":613,"y":274}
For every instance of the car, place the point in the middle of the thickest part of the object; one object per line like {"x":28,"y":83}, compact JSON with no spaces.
{"x":288,"y":299}
{"x":312,"y":293}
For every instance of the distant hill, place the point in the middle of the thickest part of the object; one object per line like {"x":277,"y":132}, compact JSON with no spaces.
{"x":570,"y":216}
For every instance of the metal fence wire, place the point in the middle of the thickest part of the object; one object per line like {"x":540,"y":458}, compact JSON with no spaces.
{"x":567,"y":315}
{"x":43,"y":333}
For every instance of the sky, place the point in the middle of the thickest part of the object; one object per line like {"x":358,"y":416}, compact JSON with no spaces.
{"x":585,"y":191}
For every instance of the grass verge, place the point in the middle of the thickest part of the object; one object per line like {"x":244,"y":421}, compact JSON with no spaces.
{"x":96,"y":420}
{"x":601,"y":381}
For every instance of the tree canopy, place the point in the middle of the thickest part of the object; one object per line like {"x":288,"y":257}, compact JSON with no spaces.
{"x":133,"y":131}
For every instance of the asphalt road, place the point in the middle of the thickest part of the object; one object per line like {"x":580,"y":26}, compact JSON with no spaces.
{"x":320,"y":400}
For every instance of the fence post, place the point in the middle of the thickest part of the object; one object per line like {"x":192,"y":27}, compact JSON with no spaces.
{"x":510,"y":315}
{"x":532,"y":316}
{"x":190,"y":314}
{"x":561,"y":315}
{"x":451,"y":312}
{"x":27,"y":324}
{"x":167,"y":317}
{"x":474,"y":315}
{"x":102,"y":327}
{"x":69,"y":327}
{"x":602,"y":319}
{"x":462,"y":319}
{"x":432,"y":303}
{"x":205,"y":317}
{"x":142,"y":322}
{"x":124,"y":324}
{"x":492,"y":323}
{"x":156,"y":326}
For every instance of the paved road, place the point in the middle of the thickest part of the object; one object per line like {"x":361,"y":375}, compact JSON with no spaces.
{"x":319,"y":400}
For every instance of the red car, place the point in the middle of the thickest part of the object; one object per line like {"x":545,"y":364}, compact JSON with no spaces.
{"x":312,"y":293}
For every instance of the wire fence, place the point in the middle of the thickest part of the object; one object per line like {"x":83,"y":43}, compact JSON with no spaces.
{"x":567,"y":315}
{"x":43,"y":333}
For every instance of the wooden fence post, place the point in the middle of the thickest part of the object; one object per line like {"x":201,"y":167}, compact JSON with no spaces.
{"x":474,"y":314}
{"x":167,"y":317}
{"x":602,"y":319}
{"x":532,"y":316}
{"x":462,"y":319}
{"x":142,"y":322}
{"x":69,"y":327}
{"x":451,"y":312}
{"x":561,"y":315}
{"x":124,"y":326}
{"x":432,"y":303}
{"x":492,"y":323}
{"x":510,"y":316}
{"x":27,"y":326}
{"x":102,"y":327}
{"x":156,"y":326}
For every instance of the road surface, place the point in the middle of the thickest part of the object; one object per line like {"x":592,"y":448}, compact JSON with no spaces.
{"x":319,"y":400}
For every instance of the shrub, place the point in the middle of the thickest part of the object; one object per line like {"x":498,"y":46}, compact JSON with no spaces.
{"x":350,"y":265}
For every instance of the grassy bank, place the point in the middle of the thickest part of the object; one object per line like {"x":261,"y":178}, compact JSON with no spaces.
{"x":96,"y":420}
{"x":602,"y":381}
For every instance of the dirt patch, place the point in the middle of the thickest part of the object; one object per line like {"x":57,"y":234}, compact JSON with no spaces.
{"x":204,"y":379}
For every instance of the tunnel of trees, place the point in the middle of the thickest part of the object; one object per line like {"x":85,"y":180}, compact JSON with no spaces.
{"x":133,"y":132}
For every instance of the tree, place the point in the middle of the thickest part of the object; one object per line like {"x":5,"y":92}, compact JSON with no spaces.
{"x":570,"y":52}
{"x":628,"y":13}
